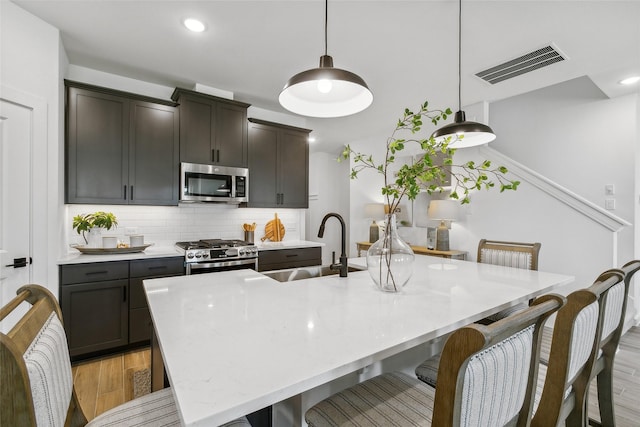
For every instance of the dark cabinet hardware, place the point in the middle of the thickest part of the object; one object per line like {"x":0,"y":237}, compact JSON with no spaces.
{"x":95,"y":273}
{"x":124,"y":294}
{"x":19,"y":262}
{"x":132,"y":192}
{"x":125,"y":192}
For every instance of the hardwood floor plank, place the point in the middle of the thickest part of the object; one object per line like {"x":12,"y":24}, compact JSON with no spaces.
{"x":109,"y":400}
{"x":85,"y":380}
{"x":111,"y":375}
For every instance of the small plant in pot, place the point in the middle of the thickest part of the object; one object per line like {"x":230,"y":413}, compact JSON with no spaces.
{"x":83,"y":223}
{"x":390,"y":260}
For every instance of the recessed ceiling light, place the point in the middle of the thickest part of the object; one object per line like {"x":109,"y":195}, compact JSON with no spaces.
{"x":194,"y":25}
{"x":630,"y":80}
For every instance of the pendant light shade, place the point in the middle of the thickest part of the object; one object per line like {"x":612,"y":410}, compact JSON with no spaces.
{"x":463,"y":133}
{"x":326,"y":91}
{"x":473,"y":133}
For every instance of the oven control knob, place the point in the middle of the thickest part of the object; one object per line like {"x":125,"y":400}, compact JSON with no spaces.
{"x":199,"y":255}
{"x":205,"y":255}
{"x":241,"y":252}
{"x":190,"y":255}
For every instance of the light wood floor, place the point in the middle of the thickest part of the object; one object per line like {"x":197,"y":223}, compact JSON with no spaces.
{"x":105,"y":383}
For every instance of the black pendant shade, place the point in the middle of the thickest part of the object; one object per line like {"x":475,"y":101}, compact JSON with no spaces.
{"x":463,"y":134}
{"x":325,"y":91}
{"x":473,"y":133}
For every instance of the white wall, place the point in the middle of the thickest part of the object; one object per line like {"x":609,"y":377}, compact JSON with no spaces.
{"x":570,"y":133}
{"x":32,"y":61}
{"x":328,"y":192}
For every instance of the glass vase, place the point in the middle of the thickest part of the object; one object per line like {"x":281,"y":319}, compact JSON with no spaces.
{"x":390,"y":259}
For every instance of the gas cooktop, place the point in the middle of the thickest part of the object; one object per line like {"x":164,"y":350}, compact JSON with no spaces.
{"x":212,"y":244}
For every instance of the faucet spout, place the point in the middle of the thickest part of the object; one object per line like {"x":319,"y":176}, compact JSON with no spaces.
{"x":342,"y":265}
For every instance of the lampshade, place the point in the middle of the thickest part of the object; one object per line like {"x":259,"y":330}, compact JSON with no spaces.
{"x":473,"y":133}
{"x":463,"y":133}
{"x":374,"y":210}
{"x":443,"y":210}
{"x":325,"y":91}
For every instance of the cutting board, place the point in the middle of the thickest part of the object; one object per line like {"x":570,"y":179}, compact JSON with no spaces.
{"x":273,"y":230}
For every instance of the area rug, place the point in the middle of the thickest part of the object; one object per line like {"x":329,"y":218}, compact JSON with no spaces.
{"x":141,"y":382}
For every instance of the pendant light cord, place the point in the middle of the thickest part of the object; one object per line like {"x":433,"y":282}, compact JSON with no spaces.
{"x":460,"y":55}
{"x":326,"y":20}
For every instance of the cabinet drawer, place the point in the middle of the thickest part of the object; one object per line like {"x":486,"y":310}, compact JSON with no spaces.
{"x":94,"y":272}
{"x":289,"y":258}
{"x":157,"y":267}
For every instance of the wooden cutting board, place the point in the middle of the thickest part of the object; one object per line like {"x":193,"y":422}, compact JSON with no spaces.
{"x":274,"y":230}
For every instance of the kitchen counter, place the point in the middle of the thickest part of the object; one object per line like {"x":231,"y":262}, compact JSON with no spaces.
{"x":235,"y":342}
{"x":287,"y":244}
{"x":153,"y":251}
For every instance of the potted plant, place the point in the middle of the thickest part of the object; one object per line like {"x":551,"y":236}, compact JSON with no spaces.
{"x":410,"y":179}
{"x":84,"y":223}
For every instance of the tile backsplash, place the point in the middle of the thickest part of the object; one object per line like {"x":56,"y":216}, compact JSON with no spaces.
{"x":165,"y":225}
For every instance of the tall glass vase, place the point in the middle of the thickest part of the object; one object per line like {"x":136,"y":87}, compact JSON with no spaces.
{"x":390,"y":259}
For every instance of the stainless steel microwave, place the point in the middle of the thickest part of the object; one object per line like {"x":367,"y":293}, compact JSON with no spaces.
{"x":210,"y":183}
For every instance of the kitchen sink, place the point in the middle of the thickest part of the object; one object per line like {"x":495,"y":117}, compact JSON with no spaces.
{"x":300,"y":273}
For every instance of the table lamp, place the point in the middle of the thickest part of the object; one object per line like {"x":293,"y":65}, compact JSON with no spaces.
{"x":443,"y":210}
{"x":374,"y":211}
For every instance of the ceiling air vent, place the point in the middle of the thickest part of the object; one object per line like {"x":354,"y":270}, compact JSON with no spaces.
{"x":524,"y":64}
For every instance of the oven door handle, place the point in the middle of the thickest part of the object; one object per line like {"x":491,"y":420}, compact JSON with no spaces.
{"x":221,"y":264}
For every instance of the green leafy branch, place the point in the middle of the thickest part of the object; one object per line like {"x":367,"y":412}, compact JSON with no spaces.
{"x":431,"y":171}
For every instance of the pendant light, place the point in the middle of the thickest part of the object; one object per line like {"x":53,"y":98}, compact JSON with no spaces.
{"x":326,"y":91}
{"x":474,"y":133}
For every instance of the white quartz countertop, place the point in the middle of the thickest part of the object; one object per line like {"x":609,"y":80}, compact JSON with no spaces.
{"x":153,"y":251}
{"x":287,"y":244}
{"x":235,"y":342}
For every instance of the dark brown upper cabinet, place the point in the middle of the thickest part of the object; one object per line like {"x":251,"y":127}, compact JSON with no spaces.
{"x":121,"y":148}
{"x":278,"y":165}
{"x":213,"y":130}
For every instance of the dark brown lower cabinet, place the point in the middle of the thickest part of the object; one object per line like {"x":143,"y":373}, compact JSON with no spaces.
{"x":279,"y":259}
{"x":95,"y":315}
{"x":103,"y":304}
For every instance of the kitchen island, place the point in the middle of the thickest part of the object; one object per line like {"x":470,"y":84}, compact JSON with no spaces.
{"x":235,"y":342}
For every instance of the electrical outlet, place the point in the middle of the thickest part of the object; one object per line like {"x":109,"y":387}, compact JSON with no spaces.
{"x":610,"y":204}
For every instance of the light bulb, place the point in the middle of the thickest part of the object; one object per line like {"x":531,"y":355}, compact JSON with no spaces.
{"x":630,"y":80}
{"x":324,"y":86}
{"x":194,"y":25}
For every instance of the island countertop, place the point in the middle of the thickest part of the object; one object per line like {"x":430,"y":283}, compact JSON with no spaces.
{"x":234,"y":342}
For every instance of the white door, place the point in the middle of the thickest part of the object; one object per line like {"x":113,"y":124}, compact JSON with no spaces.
{"x":16,"y":123}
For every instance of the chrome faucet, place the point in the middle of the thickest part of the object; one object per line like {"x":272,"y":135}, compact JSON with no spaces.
{"x":342,"y":265}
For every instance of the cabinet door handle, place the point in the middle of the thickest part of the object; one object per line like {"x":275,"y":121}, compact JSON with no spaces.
{"x":132,"y":192}
{"x":125,"y":192}
{"x":282,"y":198}
{"x":158,"y":267}
{"x":291,"y":255}
{"x":213,"y":155}
{"x":93,"y":273}
{"x":124,"y":294}
{"x":218,"y":156}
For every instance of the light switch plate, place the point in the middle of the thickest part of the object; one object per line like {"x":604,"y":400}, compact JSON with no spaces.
{"x":610,"y":204}
{"x":609,"y":189}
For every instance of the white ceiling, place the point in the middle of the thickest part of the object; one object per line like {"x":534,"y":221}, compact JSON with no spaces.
{"x":406,"y":51}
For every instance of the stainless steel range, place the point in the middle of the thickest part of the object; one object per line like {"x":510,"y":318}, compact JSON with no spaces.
{"x":209,"y":255}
